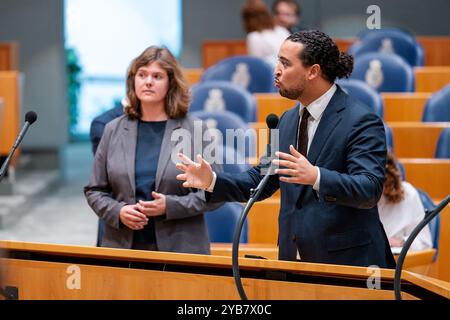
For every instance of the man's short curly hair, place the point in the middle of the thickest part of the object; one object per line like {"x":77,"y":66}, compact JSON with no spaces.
{"x":320,"y":49}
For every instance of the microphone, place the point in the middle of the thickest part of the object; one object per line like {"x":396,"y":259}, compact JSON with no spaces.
{"x":272,"y":122}
{"x":30,"y":118}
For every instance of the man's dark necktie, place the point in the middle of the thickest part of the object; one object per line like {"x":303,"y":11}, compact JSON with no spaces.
{"x":302,"y":142}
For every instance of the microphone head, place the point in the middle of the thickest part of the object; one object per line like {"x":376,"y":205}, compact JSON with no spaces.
{"x":272,"y":121}
{"x":31,"y":117}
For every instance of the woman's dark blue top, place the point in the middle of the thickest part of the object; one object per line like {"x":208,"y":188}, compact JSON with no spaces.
{"x":148,"y":147}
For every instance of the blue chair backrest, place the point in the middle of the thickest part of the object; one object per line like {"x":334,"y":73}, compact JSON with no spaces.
{"x":443,"y":145}
{"x":218,"y":96}
{"x":387,"y":31}
{"x":402,"y":170}
{"x":437,"y":107}
{"x":389,"y":137}
{"x":251,"y":73}
{"x":361,"y":91}
{"x":396,"y":43}
{"x":384,"y":72}
{"x":222,"y":223}
{"x":435,"y":223}
{"x":232,"y":162}
{"x":241,"y":136}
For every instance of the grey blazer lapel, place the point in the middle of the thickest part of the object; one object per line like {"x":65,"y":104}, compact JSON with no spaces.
{"x":167,"y":146}
{"x":129,"y":140}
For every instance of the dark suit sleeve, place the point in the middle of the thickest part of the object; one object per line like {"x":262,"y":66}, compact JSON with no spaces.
{"x":236,"y":187}
{"x":192,"y":204}
{"x":96,"y":132}
{"x":362,"y":185}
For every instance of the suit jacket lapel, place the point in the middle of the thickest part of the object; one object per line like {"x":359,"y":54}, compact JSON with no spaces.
{"x":167,"y":146}
{"x":330,"y":119}
{"x":291,"y":134}
{"x":129,"y":140}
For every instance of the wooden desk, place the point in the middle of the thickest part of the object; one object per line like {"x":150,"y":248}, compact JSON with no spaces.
{"x":214,"y":51}
{"x":43,"y":271}
{"x":411,"y":139}
{"x":430,"y":175}
{"x":431,"y":78}
{"x":404,"y":106}
{"x":416,"y":139}
{"x":266,"y":250}
{"x":193,"y":75}
{"x":268,"y":103}
{"x":436,"y":49}
{"x":417,"y":261}
{"x":10,"y":121}
{"x":9,"y":56}
{"x":397,"y":106}
{"x":443,"y":258}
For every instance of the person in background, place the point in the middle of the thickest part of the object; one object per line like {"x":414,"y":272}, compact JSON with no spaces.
{"x":133,"y":188}
{"x":95,"y":135}
{"x":401,"y":209}
{"x":287,"y":14}
{"x":99,"y":123}
{"x":264,"y":38}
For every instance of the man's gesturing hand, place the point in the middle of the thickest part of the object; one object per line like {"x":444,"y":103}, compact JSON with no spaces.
{"x":196,"y":175}
{"x":299,"y":169}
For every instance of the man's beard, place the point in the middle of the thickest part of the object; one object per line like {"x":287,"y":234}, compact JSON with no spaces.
{"x":291,"y":94}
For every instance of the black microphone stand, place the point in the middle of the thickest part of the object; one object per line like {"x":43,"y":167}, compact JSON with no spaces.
{"x":30,"y":118}
{"x":254,"y":195}
{"x":398,"y":269}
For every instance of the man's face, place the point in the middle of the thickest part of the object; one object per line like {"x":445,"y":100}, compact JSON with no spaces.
{"x":291,"y":77}
{"x":285,"y":15}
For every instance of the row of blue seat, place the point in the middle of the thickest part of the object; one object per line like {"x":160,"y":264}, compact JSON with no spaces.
{"x":390,"y":40}
{"x":381,"y":71}
{"x":214,"y":96}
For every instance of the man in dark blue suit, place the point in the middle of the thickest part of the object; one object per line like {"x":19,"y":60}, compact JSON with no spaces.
{"x":331,"y":163}
{"x":95,"y":134}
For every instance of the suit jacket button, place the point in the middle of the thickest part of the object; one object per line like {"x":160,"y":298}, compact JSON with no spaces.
{"x":294,"y":238}
{"x":330,"y":199}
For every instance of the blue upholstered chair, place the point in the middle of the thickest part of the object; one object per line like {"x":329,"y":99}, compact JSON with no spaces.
{"x":437,"y":107}
{"x":443,"y":145}
{"x":240,"y":137}
{"x":363,"y":92}
{"x":251,"y":73}
{"x":233,"y":162}
{"x":389,"y":137}
{"x":387,"y":31}
{"x":394,"y":42}
{"x":384,"y":72}
{"x":401,"y":167}
{"x":217,"y":96}
{"x":222,"y":223}
{"x":434,"y":225}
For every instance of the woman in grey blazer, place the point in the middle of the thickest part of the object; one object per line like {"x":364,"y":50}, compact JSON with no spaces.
{"x":133,"y":186}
